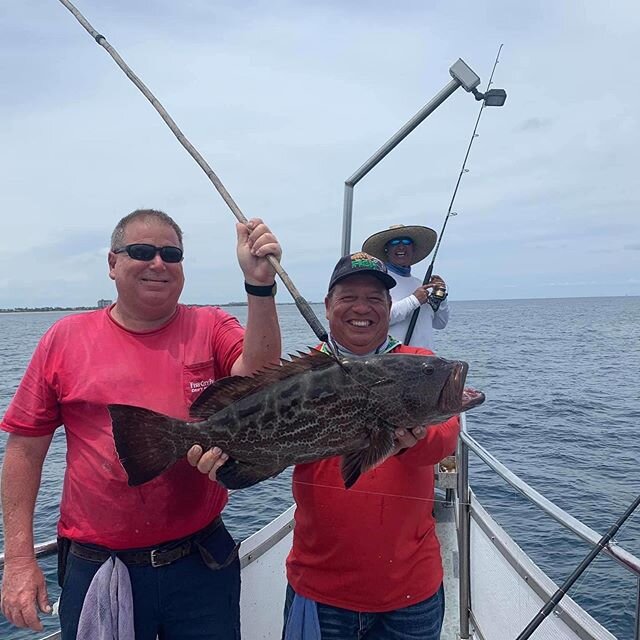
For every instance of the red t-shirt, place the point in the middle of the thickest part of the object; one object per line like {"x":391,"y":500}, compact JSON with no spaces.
{"x":372,"y":547}
{"x":87,"y":361}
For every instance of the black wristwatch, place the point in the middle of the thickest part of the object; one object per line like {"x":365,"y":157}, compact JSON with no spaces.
{"x":267,"y":291}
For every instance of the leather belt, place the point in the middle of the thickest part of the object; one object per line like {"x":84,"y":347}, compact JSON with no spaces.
{"x":159,"y":556}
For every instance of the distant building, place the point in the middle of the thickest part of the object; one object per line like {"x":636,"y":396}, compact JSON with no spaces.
{"x":104,"y":303}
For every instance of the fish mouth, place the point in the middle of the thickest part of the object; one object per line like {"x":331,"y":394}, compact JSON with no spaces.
{"x":455,"y":397}
{"x":471,"y":398}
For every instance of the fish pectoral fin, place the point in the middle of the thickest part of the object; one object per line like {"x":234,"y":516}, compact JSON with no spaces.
{"x":234,"y":474}
{"x":381,"y":443}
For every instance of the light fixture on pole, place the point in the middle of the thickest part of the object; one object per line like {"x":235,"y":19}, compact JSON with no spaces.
{"x":462,"y":76}
{"x":492,"y":98}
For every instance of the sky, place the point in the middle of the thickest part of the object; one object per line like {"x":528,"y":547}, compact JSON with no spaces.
{"x":285,"y":100}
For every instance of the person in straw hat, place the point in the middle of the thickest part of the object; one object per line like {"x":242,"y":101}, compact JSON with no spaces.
{"x":401,"y":247}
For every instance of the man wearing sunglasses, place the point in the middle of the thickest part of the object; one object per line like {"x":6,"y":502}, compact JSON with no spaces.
{"x":401,"y":247}
{"x":166,"y":537}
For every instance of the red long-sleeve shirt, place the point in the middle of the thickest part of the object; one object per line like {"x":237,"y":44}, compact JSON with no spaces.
{"x":372,"y":547}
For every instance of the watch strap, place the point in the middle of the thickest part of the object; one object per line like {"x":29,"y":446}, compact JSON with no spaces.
{"x":266,"y":291}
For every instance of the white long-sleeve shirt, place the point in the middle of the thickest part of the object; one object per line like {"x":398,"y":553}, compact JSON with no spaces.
{"x":404,"y":303}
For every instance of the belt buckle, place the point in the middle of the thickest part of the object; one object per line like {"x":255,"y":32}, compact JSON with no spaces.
{"x":154,"y":559}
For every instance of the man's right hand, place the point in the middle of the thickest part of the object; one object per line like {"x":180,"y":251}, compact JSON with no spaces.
{"x":24,"y":587}
{"x":422,"y":293}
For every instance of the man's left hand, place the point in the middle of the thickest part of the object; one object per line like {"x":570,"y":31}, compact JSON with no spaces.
{"x":436,"y":281}
{"x":255,"y":241}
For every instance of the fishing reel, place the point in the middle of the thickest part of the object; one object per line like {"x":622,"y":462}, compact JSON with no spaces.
{"x":437,"y":297}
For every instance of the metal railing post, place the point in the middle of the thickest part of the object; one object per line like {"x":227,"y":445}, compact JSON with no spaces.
{"x":464,"y":531}
{"x":636,"y":634}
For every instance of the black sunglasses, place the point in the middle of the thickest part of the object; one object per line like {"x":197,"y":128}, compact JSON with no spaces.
{"x":147,"y":252}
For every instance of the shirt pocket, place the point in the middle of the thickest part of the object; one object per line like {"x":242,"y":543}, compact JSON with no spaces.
{"x":196,"y":378}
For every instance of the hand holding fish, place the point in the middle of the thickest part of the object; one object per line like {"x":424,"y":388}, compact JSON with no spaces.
{"x":255,"y":242}
{"x":208,"y":462}
{"x":406,"y":438}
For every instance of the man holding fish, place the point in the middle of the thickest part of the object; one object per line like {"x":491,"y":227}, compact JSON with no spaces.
{"x":149,"y":350}
{"x":365,"y":562}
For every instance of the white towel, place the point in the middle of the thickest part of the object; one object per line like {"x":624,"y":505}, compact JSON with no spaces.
{"x":107,"y":611}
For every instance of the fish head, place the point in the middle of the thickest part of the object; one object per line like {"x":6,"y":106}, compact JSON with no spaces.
{"x":407,"y":390}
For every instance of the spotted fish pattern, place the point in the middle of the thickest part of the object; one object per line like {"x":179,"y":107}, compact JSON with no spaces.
{"x":311,"y":407}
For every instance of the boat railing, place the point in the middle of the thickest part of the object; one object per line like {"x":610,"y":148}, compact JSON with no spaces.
{"x":468,"y":444}
{"x":466,"y":509}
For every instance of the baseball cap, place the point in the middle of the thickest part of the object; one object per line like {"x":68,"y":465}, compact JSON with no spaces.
{"x":358,"y":263}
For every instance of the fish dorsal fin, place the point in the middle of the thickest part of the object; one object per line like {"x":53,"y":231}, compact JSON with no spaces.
{"x":226,"y":391}
{"x":381,"y":444}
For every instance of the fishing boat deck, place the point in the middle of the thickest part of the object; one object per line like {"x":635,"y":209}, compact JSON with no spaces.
{"x":447,"y":535}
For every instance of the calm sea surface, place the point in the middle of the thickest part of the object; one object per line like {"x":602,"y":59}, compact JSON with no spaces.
{"x":562,"y":411}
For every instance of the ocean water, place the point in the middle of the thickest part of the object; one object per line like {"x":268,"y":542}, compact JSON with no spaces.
{"x":563,"y":412}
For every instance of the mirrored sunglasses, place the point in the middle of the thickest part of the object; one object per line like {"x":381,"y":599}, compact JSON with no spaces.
{"x":147,"y":252}
{"x":396,"y":241}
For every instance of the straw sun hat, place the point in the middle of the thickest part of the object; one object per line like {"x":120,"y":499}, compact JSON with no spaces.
{"x":424,"y":239}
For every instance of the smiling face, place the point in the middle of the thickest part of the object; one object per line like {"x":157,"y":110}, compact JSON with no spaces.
{"x":357,"y":309}
{"x":148,"y":292}
{"x":401,"y":255}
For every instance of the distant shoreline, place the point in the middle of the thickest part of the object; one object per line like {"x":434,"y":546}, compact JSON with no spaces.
{"x":282,"y":304}
{"x":48,"y":309}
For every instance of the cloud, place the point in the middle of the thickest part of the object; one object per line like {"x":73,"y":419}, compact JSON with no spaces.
{"x":534,"y":124}
{"x":285,"y":101}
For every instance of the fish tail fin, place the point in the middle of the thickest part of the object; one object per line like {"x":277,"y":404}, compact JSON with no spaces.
{"x":147,"y":442}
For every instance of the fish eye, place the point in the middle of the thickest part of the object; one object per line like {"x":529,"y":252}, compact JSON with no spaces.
{"x":428,"y":369}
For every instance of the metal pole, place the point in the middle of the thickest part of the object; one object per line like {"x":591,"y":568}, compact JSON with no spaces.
{"x":346,"y":219}
{"x":636,"y":634}
{"x":464,"y":533}
{"x":385,"y":149}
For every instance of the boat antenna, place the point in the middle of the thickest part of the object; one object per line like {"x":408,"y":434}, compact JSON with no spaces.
{"x":559,"y":594}
{"x":301,"y":303}
{"x":450,"y":212}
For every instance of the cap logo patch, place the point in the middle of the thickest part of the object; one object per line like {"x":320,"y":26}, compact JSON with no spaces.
{"x":363,"y":260}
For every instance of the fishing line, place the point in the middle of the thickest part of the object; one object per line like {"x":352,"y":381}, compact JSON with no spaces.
{"x":463,"y":170}
{"x":390,"y":495}
{"x":378,"y":493}
{"x":301,"y":303}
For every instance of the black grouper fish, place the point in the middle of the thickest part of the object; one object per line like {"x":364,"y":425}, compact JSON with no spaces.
{"x":309,"y":408}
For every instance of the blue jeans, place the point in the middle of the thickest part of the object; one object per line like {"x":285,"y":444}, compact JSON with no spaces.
{"x":421,"y":621}
{"x":184,"y":600}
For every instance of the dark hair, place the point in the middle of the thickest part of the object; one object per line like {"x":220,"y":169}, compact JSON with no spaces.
{"x":117,"y":237}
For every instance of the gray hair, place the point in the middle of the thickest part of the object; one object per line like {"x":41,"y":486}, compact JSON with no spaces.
{"x":117,"y":237}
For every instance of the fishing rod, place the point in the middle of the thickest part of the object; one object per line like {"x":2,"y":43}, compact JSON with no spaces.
{"x":560,"y":593}
{"x":441,"y":293}
{"x":301,"y":303}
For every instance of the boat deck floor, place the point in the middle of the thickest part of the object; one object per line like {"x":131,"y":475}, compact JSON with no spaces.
{"x":448,"y":537}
